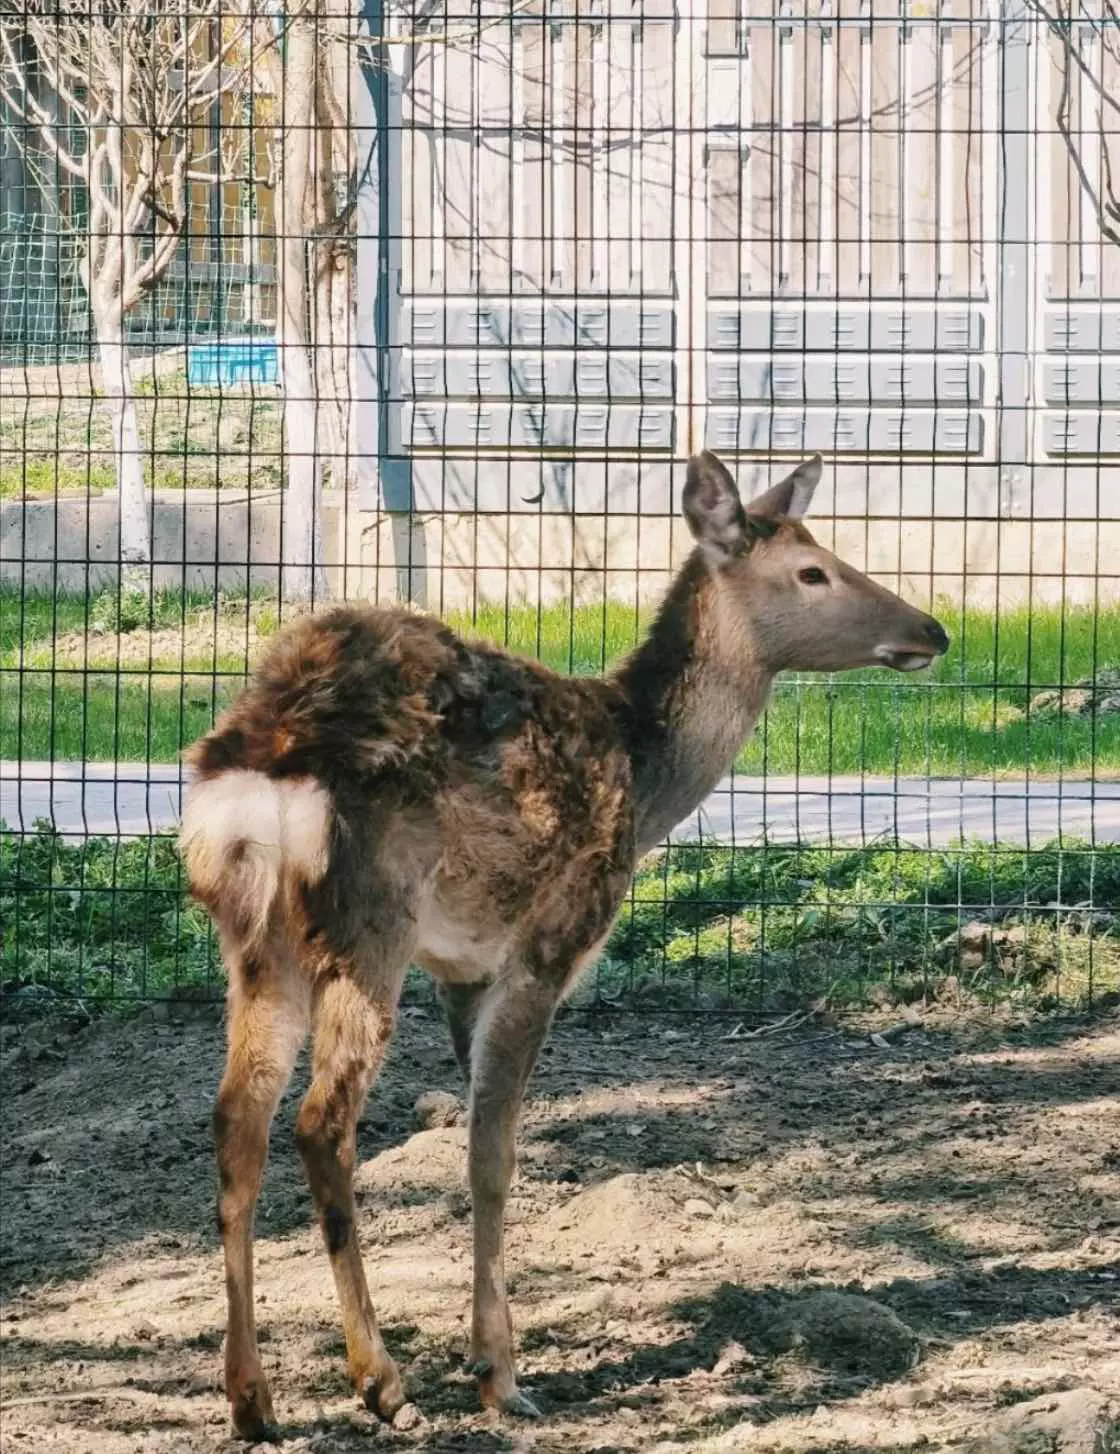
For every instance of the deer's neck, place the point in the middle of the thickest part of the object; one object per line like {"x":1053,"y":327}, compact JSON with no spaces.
{"x":694,"y":690}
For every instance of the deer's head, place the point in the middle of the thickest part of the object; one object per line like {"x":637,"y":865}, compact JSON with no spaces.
{"x":802,"y":608}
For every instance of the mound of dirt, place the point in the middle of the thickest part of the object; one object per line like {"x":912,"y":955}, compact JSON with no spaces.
{"x":430,"y":1161}
{"x":621,"y":1211}
{"x":197,"y":641}
{"x":843,"y":1332}
{"x":1074,"y":1422}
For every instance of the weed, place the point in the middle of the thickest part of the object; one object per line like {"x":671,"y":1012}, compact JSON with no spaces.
{"x":118,"y":613}
{"x":750,"y":929}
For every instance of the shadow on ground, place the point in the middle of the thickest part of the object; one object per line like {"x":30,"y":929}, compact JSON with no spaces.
{"x":681,"y":1196}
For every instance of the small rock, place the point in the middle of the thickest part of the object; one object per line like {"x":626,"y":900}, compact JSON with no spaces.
{"x":568,"y":1175}
{"x":453,"y":1204}
{"x":697,"y":1207}
{"x":733,"y":1356}
{"x":435,"y":1109}
{"x":907,"y":1396}
{"x":37,"y":1157}
{"x":601,"y":1300}
{"x":144,"y":1332}
{"x":745,"y":1201}
{"x":846,"y":1332}
{"x":1096,"y":695}
{"x":407,"y":1417}
{"x":972,"y":936}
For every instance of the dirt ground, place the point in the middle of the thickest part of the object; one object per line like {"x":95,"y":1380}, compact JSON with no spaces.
{"x":683,"y":1199}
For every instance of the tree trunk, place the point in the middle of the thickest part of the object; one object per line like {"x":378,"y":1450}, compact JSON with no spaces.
{"x":334,"y":318}
{"x":116,"y":377}
{"x":302,"y":577}
{"x":334,"y":343}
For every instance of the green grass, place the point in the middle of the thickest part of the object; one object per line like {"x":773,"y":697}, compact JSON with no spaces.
{"x":755,"y":930}
{"x":73,"y":698}
{"x":777,"y":928}
{"x":102,"y":920}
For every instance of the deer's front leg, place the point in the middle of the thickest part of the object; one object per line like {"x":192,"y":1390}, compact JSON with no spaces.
{"x":512,"y":1023}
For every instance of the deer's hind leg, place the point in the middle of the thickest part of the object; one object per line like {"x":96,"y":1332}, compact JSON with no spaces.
{"x":267,"y":1019}
{"x":354,"y":1015}
{"x":461,"y":1004}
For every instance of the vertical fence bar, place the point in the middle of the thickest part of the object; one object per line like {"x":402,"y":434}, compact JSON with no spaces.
{"x":689,"y":194}
{"x":1013,"y":313}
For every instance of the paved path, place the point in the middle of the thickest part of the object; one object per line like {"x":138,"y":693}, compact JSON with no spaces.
{"x":130,"y":798}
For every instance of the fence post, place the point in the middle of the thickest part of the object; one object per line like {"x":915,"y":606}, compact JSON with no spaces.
{"x":690,"y":231}
{"x":1014,"y":323}
{"x":384,"y":472}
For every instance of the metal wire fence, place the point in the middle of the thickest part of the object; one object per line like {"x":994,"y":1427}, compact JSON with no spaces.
{"x":431,"y":304}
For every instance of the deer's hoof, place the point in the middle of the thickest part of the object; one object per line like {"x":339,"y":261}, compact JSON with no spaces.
{"x":251,"y":1412}
{"x":382,"y":1393}
{"x":519,"y":1406}
{"x":509,"y":1400}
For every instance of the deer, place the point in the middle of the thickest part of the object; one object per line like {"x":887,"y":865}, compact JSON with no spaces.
{"x":385,"y":793}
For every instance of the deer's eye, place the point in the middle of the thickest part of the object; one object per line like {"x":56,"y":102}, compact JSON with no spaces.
{"x":812,"y":576}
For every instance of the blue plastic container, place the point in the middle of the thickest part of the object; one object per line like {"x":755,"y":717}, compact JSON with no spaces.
{"x":225,"y":364}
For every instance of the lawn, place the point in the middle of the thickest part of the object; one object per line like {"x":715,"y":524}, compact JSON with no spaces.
{"x":754,"y":929}
{"x":192,"y":439}
{"x":101,"y":681}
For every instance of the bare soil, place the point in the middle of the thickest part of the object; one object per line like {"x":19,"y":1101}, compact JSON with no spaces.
{"x":806,"y":1240}
{"x":199,"y":643}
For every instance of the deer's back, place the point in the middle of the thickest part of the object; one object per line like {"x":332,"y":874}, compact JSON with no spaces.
{"x":485,"y":785}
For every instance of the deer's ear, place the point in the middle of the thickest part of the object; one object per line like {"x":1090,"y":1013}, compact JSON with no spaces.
{"x":792,"y":497}
{"x":713,"y":509}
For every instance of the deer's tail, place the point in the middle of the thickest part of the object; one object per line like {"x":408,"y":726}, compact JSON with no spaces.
{"x":245,"y":837}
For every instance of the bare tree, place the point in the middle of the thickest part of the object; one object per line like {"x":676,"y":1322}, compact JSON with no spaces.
{"x":117,"y":97}
{"x":334,"y":296}
{"x":314,"y":321}
{"x":328,"y":54}
{"x":1088,"y":106}
{"x":316,"y":80}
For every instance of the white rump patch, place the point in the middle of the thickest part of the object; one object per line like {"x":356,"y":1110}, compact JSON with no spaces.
{"x":241,"y":830}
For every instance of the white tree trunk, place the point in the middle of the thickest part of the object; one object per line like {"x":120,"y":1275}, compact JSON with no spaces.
{"x":334,"y":332}
{"x":334,"y":319}
{"x":116,"y":378}
{"x":301,"y":536}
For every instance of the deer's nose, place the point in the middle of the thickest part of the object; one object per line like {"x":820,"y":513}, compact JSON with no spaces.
{"x":937,"y":636}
